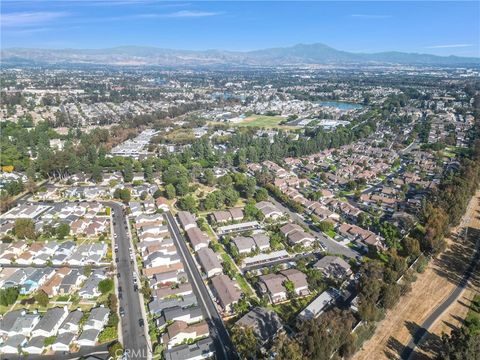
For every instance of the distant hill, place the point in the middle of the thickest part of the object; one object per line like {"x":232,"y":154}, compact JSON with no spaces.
{"x":293,"y":55}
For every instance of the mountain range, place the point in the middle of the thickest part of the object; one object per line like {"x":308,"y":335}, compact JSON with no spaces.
{"x":301,"y":54}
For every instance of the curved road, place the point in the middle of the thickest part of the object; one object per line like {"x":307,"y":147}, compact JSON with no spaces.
{"x":332,"y":246}
{"x":408,"y":351}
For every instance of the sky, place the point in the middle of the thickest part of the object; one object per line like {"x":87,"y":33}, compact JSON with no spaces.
{"x":434,"y":27}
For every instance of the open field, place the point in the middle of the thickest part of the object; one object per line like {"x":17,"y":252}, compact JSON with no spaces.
{"x":428,"y":292}
{"x":262,"y":121}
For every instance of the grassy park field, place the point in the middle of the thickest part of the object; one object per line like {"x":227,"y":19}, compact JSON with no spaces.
{"x":264,"y":121}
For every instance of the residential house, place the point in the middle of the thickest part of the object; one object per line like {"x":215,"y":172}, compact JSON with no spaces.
{"x":202,"y":349}
{"x":269,"y":210}
{"x":13,"y":344}
{"x":71,"y":324}
{"x":296,"y":235}
{"x":24,"y":324}
{"x":181,"y":290}
{"x":272,"y":285}
{"x":88,"y":337}
{"x":226,"y":292}
{"x":262,"y":241}
{"x":265,"y":323}
{"x":197,"y":238}
{"x":209,"y":262}
{"x":333,"y":267}
{"x":179,"y":332}
{"x":298,"y":279}
{"x":35,"y":345}
{"x":162,"y":203}
{"x":97,"y":319}
{"x":89,"y":289}
{"x":244,"y":244}
{"x":63,"y":341}
{"x":318,"y":305}
{"x":187,"y":220}
{"x":157,"y":306}
{"x":189,"y":315}
{"x":50,"y":322}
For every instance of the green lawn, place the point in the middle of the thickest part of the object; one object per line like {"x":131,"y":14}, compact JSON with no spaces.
{"x":226,"y":258}
{"x":331,"y":233}
{"x":264,"y":122}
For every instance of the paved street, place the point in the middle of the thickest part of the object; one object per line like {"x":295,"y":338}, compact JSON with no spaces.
{"x":452,"y":297}
{"x":218,"y":332}
{"x":100,"y":351}
{"x":331,"y":245}
{"x":134,"y":339}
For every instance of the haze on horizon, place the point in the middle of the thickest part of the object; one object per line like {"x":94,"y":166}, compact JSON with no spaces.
{"x":439,"y":28}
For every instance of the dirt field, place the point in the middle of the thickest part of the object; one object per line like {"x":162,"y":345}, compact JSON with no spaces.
{"x":430,"y":290}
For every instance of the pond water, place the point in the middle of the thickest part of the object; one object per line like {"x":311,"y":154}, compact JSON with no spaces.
{"x":341,"y":105}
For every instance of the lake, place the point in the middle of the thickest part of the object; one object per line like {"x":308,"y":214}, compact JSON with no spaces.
{"x":341,"y":105}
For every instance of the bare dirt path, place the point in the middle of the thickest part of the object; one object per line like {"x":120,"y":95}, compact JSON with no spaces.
{"x":430,"y":290}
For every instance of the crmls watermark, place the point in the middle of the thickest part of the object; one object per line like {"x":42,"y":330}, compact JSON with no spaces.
{"x":131,"y":353}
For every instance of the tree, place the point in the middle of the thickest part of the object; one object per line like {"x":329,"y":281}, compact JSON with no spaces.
{"x":246,"y":342}
{"x":87,"y":270}
{"x":148,"y":171}
{"x":391,"y":295}
{"x":286,"y":348}
{"x":112,"y":302}
{"x":41,"y":298}
{"x":8,"y":296}
{"x":252,"y":212}
{"x":128,"y":172}
{"x":109,"y":333}
{"x":210,"y":201}
{"x":323,"y":336}
{"x":325,"y":226}
{"x":182,"y":187}
{"x":115,"y":350}
{"x":436,"y":226}
{"x":364,"y":220}
{"x":261,"y":195}
{"x":24,"y":229}
{"x":97,"y":173}
{"x":105,"y":286}
{"x":170,"y":191}
{"x":188,"y":203}
{"x":462,"y":344}
{"x":209,"y":177}
{"x":390,"y":233}
{"x":290,"y":287}
{"x":63,"y":230}
{"x":369,"y":287}
{"x":411,"y":246}
{"x":122,"y":194}
{"x":231,"y":197}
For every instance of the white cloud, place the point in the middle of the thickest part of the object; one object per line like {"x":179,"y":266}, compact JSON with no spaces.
{"x":191,"y":14}
{"x":370,"y":16}
{"x":22,"y":19}
{"x":449,"y":46}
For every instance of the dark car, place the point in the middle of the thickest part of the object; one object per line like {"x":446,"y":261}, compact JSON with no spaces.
{"x":135,"y":287}
{"x":141,"y":322}
{"x":119,"y":289}
{"x":122,"y":312}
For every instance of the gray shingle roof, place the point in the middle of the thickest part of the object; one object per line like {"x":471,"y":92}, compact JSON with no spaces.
{"x":50,"y":319}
